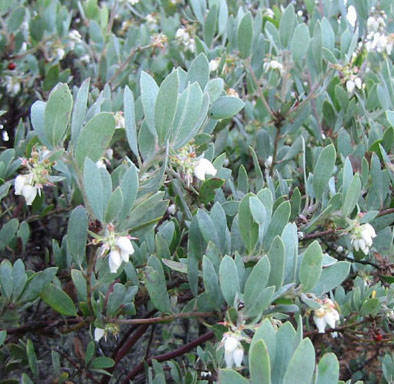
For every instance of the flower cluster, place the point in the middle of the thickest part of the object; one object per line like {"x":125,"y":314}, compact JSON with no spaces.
{"x":39,"y":167}
{"x":189,"y":164}
{"x":159,"y":40}
{"x":106,"y":159}
{"x":232,"y":93}
{"x":183,"y":37}
{"x":12,"y":85}
{"x":352,"y":83}
{"x":118,"y":248}
{"x":326,"y":315}
{"x":377,"y":39}
{"x":74,"y":37}
{"x":362,"y":237}
{"x":350,"y":77}
{"x":274,"y":65}
{"x":233,"y":350}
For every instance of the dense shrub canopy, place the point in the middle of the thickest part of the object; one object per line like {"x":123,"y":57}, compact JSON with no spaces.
{"x":197,"y":191}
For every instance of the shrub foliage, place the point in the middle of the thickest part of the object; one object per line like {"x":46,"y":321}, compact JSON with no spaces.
{"x":197,"y":191}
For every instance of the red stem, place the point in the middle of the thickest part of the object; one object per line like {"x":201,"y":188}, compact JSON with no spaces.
{"x":168,"y":356}
{"x":124,"y":349}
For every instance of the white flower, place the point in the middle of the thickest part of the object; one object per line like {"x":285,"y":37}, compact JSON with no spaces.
{"x":233,"y":350}
{"x":23,"y":187}
{"x":180,"y":33}
{"x":238,"y":356}
{"x":100,"y":164}
{"x":275,"y":65}
{"x":114,"y":260}
{"x":133,"y":2}
{"x":29,"y":192}
{"x":331,"y":318}
{"x":228,"y":358}
{"x":85,"y":59}
{"x":75,"y":36}
{"x":121,"y":249}
{"x":350,"y":86}
{"x":109,"y":153}
{"x":104,"y":161}
{"x":351,"y":15}
{"x":98,"y":333}
{"x":362,"y":237}
{"x":326,"y":315}
{"x":268,"y":162}
{"x":269,"y":13}
{"x":368,"y":233}
{"x":319,"y":320}
{"x":59,"y":53}
{"x":232,"y":93}
{"x":372,"y":24}
{"x":230,"y":343}
{"x":119,"y":120}
{"x":214,"y":64}
{"x":358,"y":83}
{"x":5,"y":136}
{"x":204,"y":167}
{"x":20,"y":182}
{"x":150,"y":19}
{"x":125,"y":247}
{"x":184,"y":38}
{"x":12,"y":85}
{"x":389,"y":47}
{"x":172,"y":209}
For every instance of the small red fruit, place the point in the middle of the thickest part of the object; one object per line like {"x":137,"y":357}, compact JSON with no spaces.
{"x":378,"y":336}
{"x":11,"y":66}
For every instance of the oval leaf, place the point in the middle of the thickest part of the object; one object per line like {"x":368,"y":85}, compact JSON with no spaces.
{"x":311,"y":266}
{"x":58,"y":300}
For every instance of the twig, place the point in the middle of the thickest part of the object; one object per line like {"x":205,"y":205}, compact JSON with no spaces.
{"x":112,"y":17}
{"x":76,"y":365}
{"x":365,"y":262}
{"x":316,"y":235}
{"x":276,"y":143}
{"x":18,"y":208}
{"x":29,"y":327}
{"x":126,"y":62}
{"x":121,"y":352}
{"x":162,"y":319}
{"x":385,"y":212}
{"x":259,"y":91}
{"x":56,"y":211}
{"x":168,"y":356}
{"x":152,"y":332}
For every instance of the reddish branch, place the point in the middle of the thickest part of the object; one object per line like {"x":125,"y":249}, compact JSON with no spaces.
{"x":168,"y":356}
{"x":316,"y":235}
{"x":162,"y":319}
{"x":386,"y":212}
{"x":125,"y":348}
{"x":34,"y":325}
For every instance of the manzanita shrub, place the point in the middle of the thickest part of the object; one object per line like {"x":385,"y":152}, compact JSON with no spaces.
{"x":197,"y":191}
